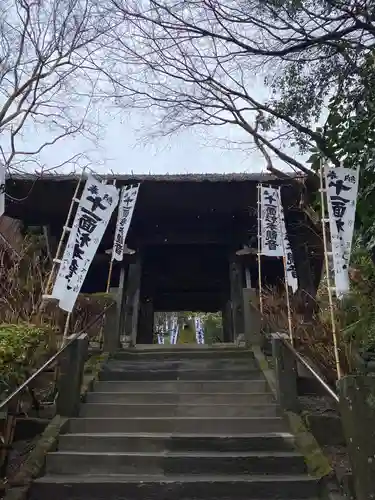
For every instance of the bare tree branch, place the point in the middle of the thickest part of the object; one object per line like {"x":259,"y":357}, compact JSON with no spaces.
{"x":51,"y":58}
{"x":195,"y":63}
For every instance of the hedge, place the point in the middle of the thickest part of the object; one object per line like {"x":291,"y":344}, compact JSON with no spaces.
{"x":22,"y":348}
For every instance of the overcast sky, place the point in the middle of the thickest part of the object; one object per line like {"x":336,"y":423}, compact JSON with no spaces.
{"x":125,"y":146}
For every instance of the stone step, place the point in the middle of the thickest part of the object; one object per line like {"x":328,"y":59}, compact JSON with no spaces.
{"x":184,"y":364}
{"x":186,"y":487}
{"x":174,"y":463}
{"x":113,"y":410}
{"x":175,"y":353}
{"x":183,"y":398}
{"x":198,"y":425}
{"x":176,"y":442}
{"x":164,"y":375}
{"x":181,"y":387}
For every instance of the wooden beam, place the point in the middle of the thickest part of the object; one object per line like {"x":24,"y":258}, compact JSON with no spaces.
{"x":236,"y":287}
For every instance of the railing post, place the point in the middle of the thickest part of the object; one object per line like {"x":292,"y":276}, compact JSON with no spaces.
{"x":285,"y":373}
{"x":70,"y":376}
{"x":9,"y":425}
{"x":357,"y":406}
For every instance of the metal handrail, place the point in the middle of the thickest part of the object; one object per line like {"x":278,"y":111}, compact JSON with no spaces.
{"x":302,"y":360}
{"x":53,"y":358}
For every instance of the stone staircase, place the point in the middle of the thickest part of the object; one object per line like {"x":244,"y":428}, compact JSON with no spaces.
{"x":177,"y":423}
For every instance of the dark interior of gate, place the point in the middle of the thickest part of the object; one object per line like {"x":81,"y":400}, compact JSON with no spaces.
{"x":186,"y":231}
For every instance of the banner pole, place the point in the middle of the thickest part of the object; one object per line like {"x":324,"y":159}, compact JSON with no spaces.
{"x":65,"y":230}
{"x":109,"y":276}
{"x":66,"y":328}
{"x":285,"y":269}
{"x":111,"y":261}
{"x":327,"y":271}
{"x":259,"y":253}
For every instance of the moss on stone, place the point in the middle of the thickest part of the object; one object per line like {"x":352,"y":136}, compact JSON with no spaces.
{"x":317,"y":463}
{"x":266,"y":369}
{"x":34,"y":463}
{"x":96,"y":363}
{"x":33,"y":466}
{"x":17,"y":493}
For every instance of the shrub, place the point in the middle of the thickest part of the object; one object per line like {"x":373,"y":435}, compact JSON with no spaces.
{"x":312,"y":337}
{"x":22,"y":348}
{"x":22,"y":283}
{"x":354,"y":319}
{"x":357,"y":312}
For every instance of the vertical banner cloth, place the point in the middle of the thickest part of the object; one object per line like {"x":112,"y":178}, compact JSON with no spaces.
{"x":290,"y":268}
{"x":342,"y":189}
{"x":128,"y":198}
{"x":161,"y":334}
{"x":199,"y":333}
{"x":271,"y":235}
{"x":2,"y":190}
{"x":93,"y":214}
{"x":274,"y":238}
{"x":174,"y":331}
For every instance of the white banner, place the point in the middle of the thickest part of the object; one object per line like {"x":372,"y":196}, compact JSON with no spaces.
{"x":271,"y":236}
{"x":290,"y":268}
{"x":174,"y":331}
{"x":2,"y":189}
{"x":93,"y":214}
{"x":342,"y":189}
{"x":199,"y":333}
{"x":274,"y":238}
{"x":128,"y":198}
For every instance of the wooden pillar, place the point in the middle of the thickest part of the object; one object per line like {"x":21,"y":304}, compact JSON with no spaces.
{"x":306,"y":287}
{"x":130,"y":303}
{"x":236,"y":286}
{"x":111,"y":332}
{"x":121,"y":300}
{"x":50,"y":241}
{"x":146,"y":322}
{"x":247,"y":276}
{"x":227,"y":322}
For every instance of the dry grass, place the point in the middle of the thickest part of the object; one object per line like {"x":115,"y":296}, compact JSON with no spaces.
{"x":313,"y":337}
{"x":22,"y":283}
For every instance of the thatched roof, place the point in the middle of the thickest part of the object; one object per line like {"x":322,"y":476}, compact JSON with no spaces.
{"x":46,"y":199}
{"x":134,"y":178}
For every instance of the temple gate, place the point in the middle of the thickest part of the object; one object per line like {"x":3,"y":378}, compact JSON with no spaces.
{"x":188,"y":233}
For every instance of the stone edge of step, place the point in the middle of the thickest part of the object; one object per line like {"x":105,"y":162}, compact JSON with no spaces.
{"x":183,"y":435}
{"x":185,"y":454}
{"x":107,"y":419}
{"x":127,"y":478}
